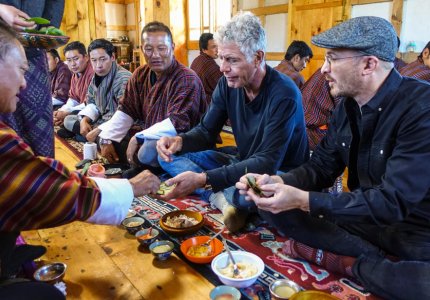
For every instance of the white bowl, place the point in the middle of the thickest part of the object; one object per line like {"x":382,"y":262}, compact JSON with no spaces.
{"x":222,"y":260}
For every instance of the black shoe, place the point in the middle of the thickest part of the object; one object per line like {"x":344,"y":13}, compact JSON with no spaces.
{"x":22,"y":254}
{"x":65,"y":134}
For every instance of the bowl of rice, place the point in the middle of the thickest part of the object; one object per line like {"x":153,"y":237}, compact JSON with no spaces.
{"x":250,"y":268}
{"x":182,"y":222}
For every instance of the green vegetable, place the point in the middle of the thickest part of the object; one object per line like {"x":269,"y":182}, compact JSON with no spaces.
{"x":39,"y":20}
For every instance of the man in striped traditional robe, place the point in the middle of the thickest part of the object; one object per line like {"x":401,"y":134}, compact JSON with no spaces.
{"x":40,"y":192}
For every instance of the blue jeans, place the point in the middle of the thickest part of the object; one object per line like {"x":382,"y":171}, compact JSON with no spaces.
{"x":407,"y":279}
{"x":199,"y":162}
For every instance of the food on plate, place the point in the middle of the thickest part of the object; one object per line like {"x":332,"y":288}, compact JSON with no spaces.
{"x":200,"y":250}
{"x":181,"y":221}
{"x":133,"y":224}
{"x":165,"y":189}
{"x":284,"y":291}
{"x":145,"y":236}
{"x":161,"y":249}
{"x":246,"y":270}
{"x":49,"y":30}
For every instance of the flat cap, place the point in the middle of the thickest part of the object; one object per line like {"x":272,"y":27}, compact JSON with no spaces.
{"x":369,"y":35}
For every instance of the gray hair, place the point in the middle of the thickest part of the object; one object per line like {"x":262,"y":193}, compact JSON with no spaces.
{"x":245,"y":30}
{"x":8,"y":39}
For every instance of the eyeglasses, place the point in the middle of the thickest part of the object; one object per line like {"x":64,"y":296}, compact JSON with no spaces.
{"x":330,"y":59}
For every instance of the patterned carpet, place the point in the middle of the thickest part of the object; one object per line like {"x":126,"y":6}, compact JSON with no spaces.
{"x":278,"y":266}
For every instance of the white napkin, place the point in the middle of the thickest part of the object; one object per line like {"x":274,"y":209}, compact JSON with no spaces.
{"x":158,"y":130}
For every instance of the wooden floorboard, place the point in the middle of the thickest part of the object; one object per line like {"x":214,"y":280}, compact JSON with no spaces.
{"x":105,"y":262}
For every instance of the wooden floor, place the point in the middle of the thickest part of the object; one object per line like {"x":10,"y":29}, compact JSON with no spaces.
{"x":105,"y":262}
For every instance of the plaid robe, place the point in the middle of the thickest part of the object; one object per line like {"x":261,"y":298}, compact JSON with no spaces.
{"x":208,"y":71}
{"x":40,"y":192}
{"x":178,"y":94}
{"x":60,"y":82}
{"x":287,"y":68}
{"x":416,"y":69}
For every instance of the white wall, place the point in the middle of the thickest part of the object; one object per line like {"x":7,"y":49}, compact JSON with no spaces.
{"x":415,"y":27}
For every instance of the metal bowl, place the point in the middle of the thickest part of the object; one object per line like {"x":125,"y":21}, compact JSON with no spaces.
{"x":283,"y":289}
{"x":50,"y":273}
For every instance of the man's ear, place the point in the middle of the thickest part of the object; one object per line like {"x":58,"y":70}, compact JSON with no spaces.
{"x":371,"y":64}
{"x":57,"y":60}
{"x":259,"y":57}
{"x":426,"y":53}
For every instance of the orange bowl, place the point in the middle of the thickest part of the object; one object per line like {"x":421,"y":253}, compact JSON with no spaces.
{"x":182,"y":231}
{"x":216,"y":245}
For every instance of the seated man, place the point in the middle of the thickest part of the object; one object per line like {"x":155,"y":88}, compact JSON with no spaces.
{"x":420,"y":68}
{"x":205,"y":65}
{"x":297,"y":56}
{"x":380,"y":230}
{"x":161,"y":90}
{"x":77,"y":61}
{"x":32,"y":186}
{"x":60,"y":78}
{"x":266,"y":115}
{"x":105,"y":90}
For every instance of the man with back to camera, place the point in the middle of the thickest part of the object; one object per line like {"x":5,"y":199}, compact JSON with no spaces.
{"x":296,"y":58}
{"x":379,"y":232}
{"x":266,"y":114}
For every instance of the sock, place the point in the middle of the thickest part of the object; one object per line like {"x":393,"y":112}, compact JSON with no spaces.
{"x":333,"y":262}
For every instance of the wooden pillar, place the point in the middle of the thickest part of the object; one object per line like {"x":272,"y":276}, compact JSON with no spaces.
{"x":397,"y":15}
{"x":172,"y":14}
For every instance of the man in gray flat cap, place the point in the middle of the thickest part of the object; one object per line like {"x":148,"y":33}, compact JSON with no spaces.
{"x":379,"y":232}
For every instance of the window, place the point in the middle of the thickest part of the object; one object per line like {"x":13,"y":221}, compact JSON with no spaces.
{"x":206,"y":16}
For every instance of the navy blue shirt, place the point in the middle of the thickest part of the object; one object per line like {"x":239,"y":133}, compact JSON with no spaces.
{"x":270,"y":131}
{"x":388,"y":150}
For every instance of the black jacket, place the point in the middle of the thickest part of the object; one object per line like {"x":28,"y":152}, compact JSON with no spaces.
{"x":387,"y":151}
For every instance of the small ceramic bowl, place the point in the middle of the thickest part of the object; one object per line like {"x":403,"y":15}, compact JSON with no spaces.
{"x":131,"y":213}
{"x":283,"y":289}
{"x":309,"y":295}
{"x":161,"y":249}
{"x":182,"y":231}
{"x":144,"y":238}
{"x":50,"y":273}
{"x":133,"y":224}
{"x":222,"y":292}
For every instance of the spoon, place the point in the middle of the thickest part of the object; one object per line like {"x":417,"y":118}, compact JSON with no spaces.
{"x":207,"y":243}
{"x":235,"y":268}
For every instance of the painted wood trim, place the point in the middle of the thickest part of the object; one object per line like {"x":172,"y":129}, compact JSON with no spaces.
{"x":115,"y":1}
{"x":117,"y":27}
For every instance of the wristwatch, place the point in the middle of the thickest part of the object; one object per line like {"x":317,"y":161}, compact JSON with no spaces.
{"x":105,"y":142}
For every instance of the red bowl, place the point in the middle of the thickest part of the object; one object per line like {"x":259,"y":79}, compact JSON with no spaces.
{"x":217,"y":247}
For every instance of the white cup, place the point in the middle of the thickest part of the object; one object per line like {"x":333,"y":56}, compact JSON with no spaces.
{"x":90,"y":150}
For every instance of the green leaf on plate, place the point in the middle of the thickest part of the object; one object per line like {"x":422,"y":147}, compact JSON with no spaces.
{"x":39,"y":20}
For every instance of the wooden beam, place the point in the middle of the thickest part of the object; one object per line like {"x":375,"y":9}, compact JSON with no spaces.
{"x":115,"y":1}
{"x":275,"y":55}
{"x":100,"y":18}
{"x":116,"y":27}
{"x":129,"y":2}
{"x":270,"y":10}
{"x":318,"y":5}
{"x":397,"y":15}
{"x":357,"y":2}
